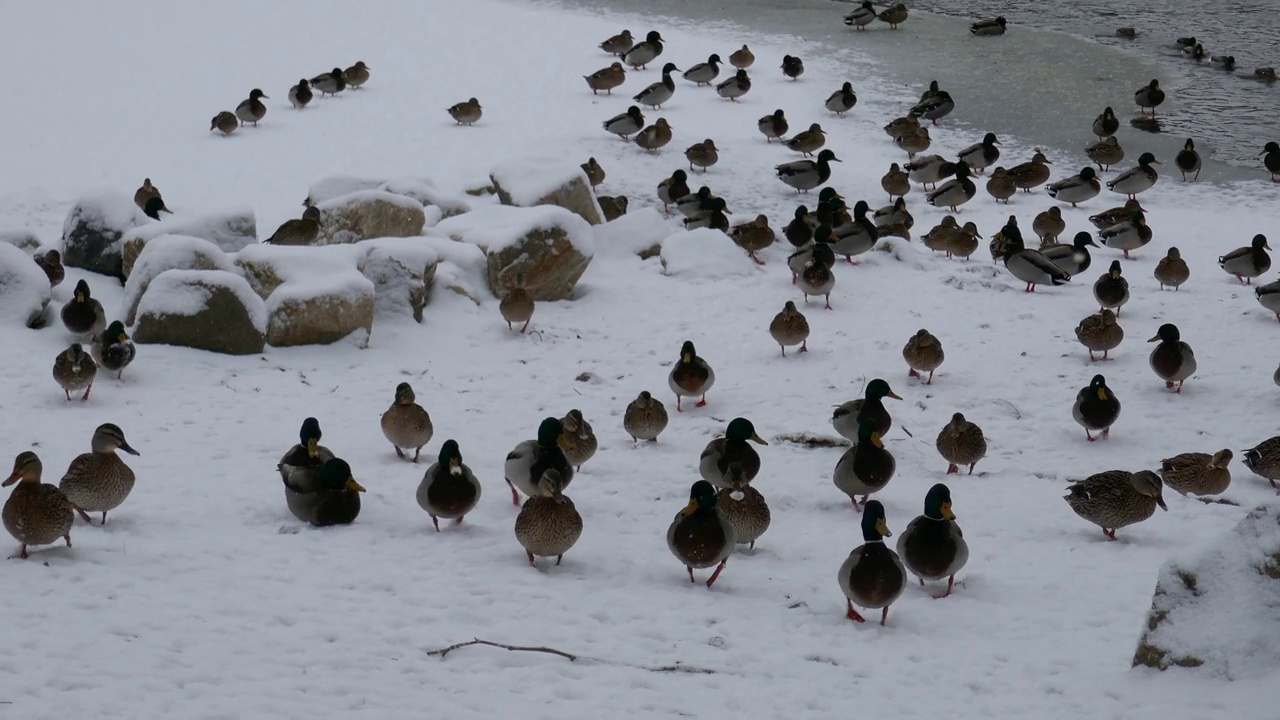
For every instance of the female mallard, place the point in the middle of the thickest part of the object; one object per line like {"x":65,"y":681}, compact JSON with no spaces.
{"x":612,"y":206}
{"x":842,"y":100}
{"x":954,"y":193}
{"x":1136,"y":180}
{"x":448,"y":489}
{"x":1271,"y":153}
{"x":50,"y":261}
{"x":1029,"y":266}
{"x":691,"y":376}
{"x":961,"y":443}
{"x":517,"y":306}
{"x":618,"y":44}
{"x":36,"y":513}
{"x":939,"y":237}
{"x":1001,"y":186}
{"x":1106,"y":124}
{"x":1049,"y":225}
{"x":895,"y":15}
{"x":330,"y":83}
{"x":298,"y":231}
{"x":327,"y":496}
{"x":1198,"y":473}
{"x":625,"y":124}
{"x":862,"y":17}
{"x":799,"y":232}
{"x":224,"y":122}
{"x":656,"y":136}
{"x":816,"y":278}
{"x":792,"y":66}
{"x":645,"y":418}
{"x":673,"y":189}
{"x":146,"y":192}
{"x":744,"y":506}
{"x":1074,"y":258}
{"x":113,"y":349}
{"x":1149,"y":97}
{"x":1116,"y":498}
{"x":466,"y":113}
{"x":1126,"y":235}
{"x":964,"y":243}
{"x":807,"y":142}
{"x":914,"y":142}
{"x":865,"y":468}
{"x":742,"y":58}
{"x":774,"y":126}
{"x":847,"y":418}
{"x":99,"y":481}
{"x":893,"y":216}
{"x":701,"y":535}
{"x":406,"y":424}
{"x":1188,"y":161}
{"x":923,"y":353}
{"x":898,"y":127}
{"x":1100,"y":333}
{"x":548,"y":524}
{"x":873,"y":575}
{"x":790,"y":327}
{"x":527,"y":462}
{"x":935,"y":107}
{"x":253,"y":109}
{"x":1172,"y":270}
{"x":300,"y":95}
{"x":1096,"y":408}
{"x":660,"y":92}
{"x":75,"y":370}
{"x":1076,"y":189}
{"x":1269,"y":297}
{"x":895,"y":182}
{"x":645,"y":51}
{"x":1245,"y":263}
{"x":987,"y":28}
{"x":715,"y":216}
{"x":732,"y":448}
{"x":1105,"y":153}
{"x":703,"y":154}
{"x":606,"y":79}
{"x":1031,"y":174}
{"x":1111,"y":289}
{"x":735,"y":87}
{"x":579,"y":439}
{"x":83,"y":315}
{"x":1108,"y":218}
{"x":932,"y":546}
{"x":982,"y":155}
{"x":1173,"y":360}
{"x":804,"y":175}
{"x":704,"y":73}
{"x":1264,"y":460}
{"x":356,"y":75}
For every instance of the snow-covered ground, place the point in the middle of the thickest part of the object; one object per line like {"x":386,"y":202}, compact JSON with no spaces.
{"x":204,"y":598}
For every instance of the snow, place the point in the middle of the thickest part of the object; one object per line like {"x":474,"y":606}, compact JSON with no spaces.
{"x":268,"y":265}
{"x":497,"y":227}
{"x":530,"y":179}
{"x":169,"y":252}
{"x":180,"y":292}
{"x":204,"y":598}
{"x":24,"y":288}
{"x":364,"y":196}
{"x":21,"y":239}
{"x":350,"y":286}
{"x":424,"y":191}
{"x":230,"y":230}
{"x":638,"y":231}
{"x":705,"y":255}
{"x":106,"y":209}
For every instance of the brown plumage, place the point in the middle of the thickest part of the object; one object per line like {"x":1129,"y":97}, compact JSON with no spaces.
{"x":613,"y":206}
{"x":923,"y":353}
{"x":1100,"y":332}
{"x":961,"y":443}
{"x":406,"y":424}
{"x":99,"y":481}
{"x":147,"y":192}
{"x":517,"y":306}
{"x":50,"y":261}
{"x":1031,"y":174}
{"x":35,"y":513}
{"x":1172,"y":270}
{"x":1198,"y":473}
{"x":577,"y":440}
{"x":753,"y":236}
{"x":896,"y":182}
{"x":645,"y":418}
{"x":703,"y":154}
{"x":224,"y":122}
{"x":595,"y":173}
{"x":1001,"y":186}
{"x":656,"y":136}
{"x":1049,"y":225}
{"x":606,"y":79}
{"x":742,"y":58}
{"x":790,"y":327}
{"x":466,"y":113}
{"x":356,"y":75}
{"x":302,"y":231}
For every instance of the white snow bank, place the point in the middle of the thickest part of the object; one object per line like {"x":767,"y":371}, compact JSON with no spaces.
{"x":24,"y":288}
{"x":230,"y":230}
{"x":401,"y":269}
{"x":169,"y":252}
{"x":497,"y":227}
{"x":268,"y":266}
{"x":633,"y":233}
{"x":350,"y":286}
{"x":22,"y":239}
{"x":705,"y":254}
{"x":361,"y":197}
{"x":105,"y":210}
{"x":426,"y":192}
{"x":334,"y":187}
{"x":185,"y":292}
{"x":463,"y":268}
{"x":530,"y":179}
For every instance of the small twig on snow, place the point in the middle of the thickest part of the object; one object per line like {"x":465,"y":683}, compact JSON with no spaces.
{"x":513,"y":648}
{"x":674,"y":668}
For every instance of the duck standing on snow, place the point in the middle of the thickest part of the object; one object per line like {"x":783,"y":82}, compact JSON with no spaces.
{"x":807,"y":142}
{"x":961,"y":443}
{"x":113,"y":349}
{"x":935,"y":107}
{"x":655,"y":137}
{"x":848,"y":417}
{"x":1073,"y":258}
{"x":517,"y":306}
{"x":735,"y":87}
{"x":862,"y":17}
{"x":1245,"y":263}
{"x":704,"y":73}
{"x":703,"y":154}
{"x":873,"y":576}
{"x":789,"y":327}
{"x":923,"y":353}
{"x":1269,"y":297}
{"x":1029,"y":266}
{"x":932,"y":546}
{"x":35,"y":513}
{"x":406,"y":424}
{"x":774,"y":126}
{"x":302,"y":231}
{"x":701,"y":535}
{"x":900,"y":126}
{"x":330,"y":83}
{"x":594,"y":172}
{"x":356,"y":75}
{"x":895,"y":219}
{"x":606,"y":79}
{"x":1111,"y":289}
{"x":1127,"y":235}
{"x":988,"y":28}
{"x":792,"y":66}
{"x":1271,"y":158}
{"x":645,"y":51}
{"x":1096,"y":408}
{"x":645,"y":418}
{"x":331,"y":497}
{"x":914,"y":142}
{"x":1049,"y":225}
{"x":691,"y":376}
{"x":1264,"y":460}
{"x":1100,"y":332}
{"x":660,"y":92}
{"x":83,"y":315}
{"x":742,"y":58}
{"x":956,"y":192}
{"x":1076,"y":189}
{"x":99,"y":481}
{"x":253,"y":109}
{"x":753,"y":236}
{"x":145,"y":193}
{"x":1029,"y":175}
{"x":714,"y":215}
{"x":805,"y":175}
{"x":466,"y":113}
{"x":1116,"y":498}
{"x":1188,"y":160}
{"x":1138,"y":179}
{"x":799,"y":232}
{"x":896,"y":182}
{"x":745,"y":507}
{"x":224,"y":122}
{"x":548,"y":524}
{"x":526,"y":463}
{"x":618,"y":44}
{"x":300,"y":95}
{"x":673,"y":189}
{"x":1198,"y":473}
{"x":981,"y":155}
{"x":1001,"y":186}
{"x":1106,"y":124}
{"x":1111,"y":216}
{"x":713,"y":464}
{"x":1149,"y":97}
{"x":74,"y":369}
{"x":842,"y":100}
{"x":1172,"y":270}
{"x":448,"y":489}
{"x":50,"y":261}
{"x":895,"y":15}
{"x":865,"y":468}
{"x":1105,"y":153}
{"x":1173,"y":360}
{"x":579,"y":439}
{"x":816,"y":277}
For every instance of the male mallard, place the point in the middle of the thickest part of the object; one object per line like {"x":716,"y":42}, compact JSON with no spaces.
{"x":305,"y":458}
{"x":799,"y":232}
{"x":1108,"y":218}
{"x":930,"y":170}
{"x":628,"y":123}
{"x":1105,"y":153}
{"x":1198,"y":473}
{"x":527,"y":462}
{"x":448,"y":489}
{"x":865,"y":468}
{"x":790,"y":327}
{"x":1245,"y":263}
{"x":327,"y":496}
{"x":862,"y":17}
{"x":302,"y":231}
{"x":704,"y":73}
{"x":1031,"y":174}
{"x":714,"y":216}
{"x":548,"y":524}
{"x":579,"y":439}
{"x":792,"y":66}
{"x":1100,"y":332}
{"x":1126,"y":235}
{"x":701,"y":535}
{"x":74,"y":369}
{"x":36,"y":513}
{"x":1001,"y":186}
{"x":691,"y":376}
{"x":773,"y":126}
{"x":699,"y":204}
{"x":895,"y":15}
{"x":1269,"y":297}
{"x":1149,"y":96}
{"x":807,"y":142}
{"x":50,"y":261}
{"x":816,"y":277}
{"x":935,"y":107}
{"x":895,"y":182}
{"x":673,"y":189}
{"x":99,"y":481}
{"x":804,"y":175}
{"x":872,"y":575}
{"x":406,"y":424}
{"x":932,"y":546}
{"x":113,"y":349}
{"x":799,"y":260}
{"x":645,"y":51}
{"x":612,"y":206}
{"x":83,"y":315}
{"x":1106,"y":124}
{"x":660,"y":92}
{"x":1188,"y":160}
{"x":654,"y":137}
{"x":914,"y":142}
{"x":842,"y":100}
{"x":703,"y":154}
{"x":1074,"y":258}
{"x":1272,"y":160}
{"x":253,"y":109}
{"x":732,"y":448}
{"x":961,"y":443}
{"x":1173,"y":360}
{"x":606,"y":79}
{"x":224,"y":122}
{"x":735,"y":87}
{"x":848,"y":417}
{"x":982,"y":155}
{"x":1265,"y":74}
{"x":300,"y":95}
{"x":744,"y":506}
{"x":1077,"y":188}
{"x":742,"y":58}
{"x":330,"y":83}
{"x":1136,"y":180}
{"x":987,"y":28}
{"x":923,"y":353}
{"x":356,"y":75}
{"x":1195,"y":52}
{"x":1172,"y":269}
{"x":1264,"y":460}
{"x":1116,"y":498}
{"x":1029,"y":266}
{"x":517,"y":306}
{"x":618,"y":44}
{"x":753,"y":236}
{"x":145,"y":193}
{"x":645,"y":418}
{"x":1096,"y":408}
{"x":898,"y":127}
{"x":956,"y":192}
{"x":1111,"y":289}
{"x":466,"y":113}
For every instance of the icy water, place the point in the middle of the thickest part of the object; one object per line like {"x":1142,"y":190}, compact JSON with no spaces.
{"x":1058,"y":66}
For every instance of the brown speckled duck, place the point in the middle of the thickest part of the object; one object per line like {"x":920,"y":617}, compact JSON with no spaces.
{"x":790,"y":327}
{"x":744,"y":506}
{"x":1116,"y":498}
{"x":753,"y":236}
{"x":606,"y":79}
{"x":145,"y":193}
{"x":656,"y":136}
{"x":961,"y":443}
{"x":50,"y":261}
{"x":356,"y":75}
{"x":579,"y":439}
{"x":406,"y":424}
{"x":548,"y":524}
{"x":224,"y":122}
{"x":923,"y":353}
{"x":1172,"y":270}
{"x":1100,"y":333}
{"x":517,"y":306}
{"x":99,"y":481}
{"x":35,"y":513}
{"x":645,"y":418}
{"x":75,"y":369}
{"x":703,"y":154}
{"x":1198,"y":473}
{"x":1031,"y":174}
{"x":466,"y":113}
{"x":302,"y":231}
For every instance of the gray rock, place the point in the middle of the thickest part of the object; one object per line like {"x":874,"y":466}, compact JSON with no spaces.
{"x":229,"y":231}
{"x":320,"y":311}
{"x":369,"y":214}
{"x":168,"y":252}
{"x":403,"y":271}
{"x":94,"y":229}
{"x":21,"y":239}
{"x":210,"y":310}
{"x":546,"y":181}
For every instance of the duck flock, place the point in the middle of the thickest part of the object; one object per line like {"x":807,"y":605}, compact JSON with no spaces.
{"x":724,"y":511}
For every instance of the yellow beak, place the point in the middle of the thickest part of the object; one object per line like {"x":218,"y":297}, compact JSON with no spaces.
{"x":1102,"y":394}
{"x":122,"y":337}
{"x":313,"y":446}
{"x":882,"y":527}
{"x":686,"y":358}
{"x":455,"y":466}
{"x":353,"y":485}
{"x":947,"y":512}
{"x":875,"y":440}
{"x":894,"y":395}
{"x":691,"y":508}
{"x":758,"y":439}
{"x":1154,"y":339}
{"x":79,"y":297}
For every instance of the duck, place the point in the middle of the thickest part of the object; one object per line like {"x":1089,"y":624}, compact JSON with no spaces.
{"x":831,"y":210}
{"x":894,"y":15}
{"x":448,"y":489}
{"x":745,"y":507}
{"x":865,"y":468}
{"x":305,"y":458}
{"x":901,"y":126}
{"x":517,"y":306}
{"x":1074,"y":258}
{"x":1116,"y":498}
{"x":527,"y":462}
{"x":1264,"y":460}
{"x":847,"y":418}
{"x":714,"y":216}
{"x":842,"y":100}
{"x":660,"y":92}
{"x":792,"y":66}
{"x":330,"y":83}
{"x":704,"y":73}
{"x":1149,"y":97}
{"x":548,"y":524}
{"x":1111,"y":289}
{"x":594,"y":172}
{"x":1249,"y":262}
{"x":1195,"y":52}
{"x":703,"y":154}
{"x":302,"y":231}
{"x":816,"y":277}
{"x":656,"y":136}
{"x":1138,"y":179}
{"x":1029,"y":266}
{"x":253,"y":109}
{"x":466,"y":113}
{"x":742,"y":58}
{"x":804,"y":175}
{"x":964,"y":243}
{"x":146,"y":192}
{"x":1172,"y":270}
{"x":799,"y":260}
{"x":939,"y":238}
{"x":735,"y":87}
{"x":773,"y":126}
{"x":799,"y":232}
{"x":612,"y":206}
{"x":896,"y":182}
{"x":1096,"y":408}
{"x":113,"y":349}
{"x":999,"y":242}
{"x":1269,"y":297}
{"x":618,"y":44}
{"x":732,"y":448}
{"x":691,"y":376}
{"x":75,"y":369}
{"x":1001,"y":186}
{"x":893,"y":216}
{"x":932,"y":546}
{"x":790,"y":327}
{"x":1029,"y":175}
{"x":1106,"y":124}
{"x":99,"y":481}
{"x":1196,"y":473}
{"x":1077,"y":188}
{"x":645,"y":51}
{"x":807,"y":142}
{"x":980,"y":156}
{"x":356,"y":75}
{"x":1100,"y":332}
{"x":1110,"y":217}
{"x":328,"y":496}
{"x":961,"y":443}
{"x":1048,"y":225}
{"x":673,"y":189}
{"x":645,"y":418}
{"x":923,"y":353}
{"x":862,"y":17}
{"x":606,"y":79}
{"x":579,"y":439}
{"x":1105,"y":153}
{"x":406,"y":424}
{"x":300,"y":95}
{"x":988,"y":28}
{"x":1127,"y":33}
{"x":1127,"y":235}
{"x":50,"y":261}
{"x":753,"y":236}
{"x":698,"y":204}
{"x":1271,"y":160}
{"x":35,"y":513}
{"x":935,"y":107}
{"x":1265,"y":74}
{"x":224,"y":122}
{"x":1188,"y":160}
{"x":83,"y":315}
{"x":914,"y":142}
{"x":1184,"y":42}
{"x":956,"y":192}
{"x":873,"y":576}
{"x":1173,"y":360}
{"x":701,"y":535}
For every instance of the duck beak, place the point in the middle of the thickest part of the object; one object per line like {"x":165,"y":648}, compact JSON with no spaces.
{"x":122,"y":337}
{"x":1102,"y":394}
{"x":691,"y":508}
{"x":11,"y":479}
{"x":875,"y":440}
{"x":1154,"y":339}
{"x":686,"y":358}
{"x":1157,"y":162}
{"x":1266,"y":246}
{"x":1160,"y":502}
{"x":125,"y":447}
{"x":894,"y":395}
{"x":79,"y":297}
{"x":351,"y":484}
{"x":313,"y":446}
{"x":455,"y":466}
{"x":947,"y":512}
{"x":882,"y":527}
{"x":755,"y":437}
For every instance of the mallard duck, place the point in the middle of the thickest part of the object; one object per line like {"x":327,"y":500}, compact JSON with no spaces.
{"x":448,"y":489}
{"x":99,"y":481}
{"x":954,"y":193}
{"x":612,"y":206}
{"x":1106,"y":124}
{"x":466,"y":113}
{"x":800,"y":259}
{"x":74,"y":369}
{"x":113,"y":349}
{"x":625,"y":124}
{"x":302,"y":231}
{"x":1198,"y":473}
{"x":1269,"y":297}
{"x":406,"y":424}
{"x":831,"y":210}
{"x":329,"y":495}
{"x":1188,"y":160}
{"x":999,"y":244}
{"x":790,"y":327}
{"x":306,"y":457}
{"x":1001,"y":186}
{"x":799,"y":232}
{"x":932,"y":546}
{"x":1149,"y":97}
{"x":1031,"y":174}
{"x":1138,"y":179}
{"x":1100,"y":333}
{"x":1116,"y":498}
{"x":732,"y":448}
{"x":939,"y":237}
{"x":714,"y":216}
{"x":1108,"y":218}
{"x":224,"y":122}
{"x":356,"y":75}
{"x":842,"y":100}
{"x":792,"y":66}
{"x":1111,"y":289}
{"x":735,"y":87}
{"x":895,"y":182}
{"x":330,"y":83}
{"x":744,"y":506}
{"x":579,"y":439}
{"x":517,"y":306}
{"x":83,"y":315}
{"x":865,"y":468}
{"x":618,"y":44}
{"x":753,"y":236}
{"x":1076,"y":189}
{"x":1271,"y":160}
{"x":703,"y":154}
{"x":1265,"y":74}
{"x":1264,"y":460}
{"x":1184,"y":42}
{"x":742,"y":58}
{"x":923,"y":353}
{"x":961,"y":443}
{"x":1096,"y":408}
{"x":153,"y":207}
{"x":1105,"y":153}
{"x":36,"y":513}
{"x":548,"y":524}
{"x":981,"y":155}
{"x":1074,"y":258}
{"x":914,"y":142}
{"x":816,"y":277}
{"x":1195,"y":52}
{"x":660,"y":92}
{"x":1245,"y":263}
{"x":1029,"y":266}
{"x":804,"y":175}
{"x":774,"y":126}
{"x":1127,"y":33}
{"x":1127,"y":235}
{"x":935,"y":107}
{"x":253,"y":109}
{"x":901,"y":126}
{"x":300,"y":95}
{"x":704,"y":73}
{"x":848,"y":417}
{"x":1049,"y":225}
{"x":606,"y":79}
{"x":929,"y":170}
{"x":691,"y":376}
{"x":656,"y":136}
{"x":964,"y":243}
{"x":146,"y":192}
{"x":526,"y":463}
{"x":645,"y":418}
{"x":873,"y":575}
{"x":594,"y":172}
{"x":1173,"y":360}
{"x":807,"y":142}
{"x":987,"y":28}
{"x":862,"y":17}
{"x":895,"y":213}
{"x":1172,"y":270}
{"x":645,"y":51}
{"x":895,"y":15}
{"x":701,"y":535}
{"x":50,"y":261}
{"x":673,"y":189}
{"x":699,"y":204}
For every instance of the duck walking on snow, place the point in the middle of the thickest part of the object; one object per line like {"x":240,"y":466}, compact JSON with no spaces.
{"x":526,"y":463}
{"x":1029,"y":266}
{"x":932,"y":546}
{"x":618,"y":44}
{"x":1100,"y":332}
{"x":961,"y":443}
{"x":113,"y":349}
{"x":691,"y":376}
{"x":1138,"y":179}
{"x":330,"y":83}
{"x":732,"y":448}
{"x":1271,"y":157}
{"x":773,"y":126}
{"x":1128,"y":235}
{"x":792,"y":66}
{"x":406,"y":424}
{"x":660,"y":92}
{"x":1105,"y":153}
{"x":1188,"y":161}
{"x":548,"y":524}
{"x":253,"y":109}
{"x":83,"y":314}
{"x":1076,"y":189}
{"x":35,"y":513}
{"x":466,"y":113}
{"x":923,"y":353}
{"x":804,"y":175}
{"x":701,"y":535}
{"x":656,"y":136}
{"x":645,"y":418}
{"x":99,"y":481}
{"x":935,"y":107}
{"x":704,"y":73}
{"x":956,"y":192}
{"x":865,"y":468}
{"x":448,"y":489}
{"x":848,"y":417}
{"x":75,"y":369}
{"x":625,"y":124}
{"x":1172,"y":270}
{"x":1249,"y":262}
{"x":1173,"y":360}
{"x":816,"y":277}
{"x":790,"y":327}
{"x":300,"y":95}
{"x":1031,"y":174}
{"x":807,"y":142}
{"x":1111,"y":289}
{"x":1096,"y":408}
{"x":1198,"y":473}
{"x":1106,"y":124}
{"x":606,"y":79}
{"x":873,"y":576}
{"x":895,"y":16}
{"x":1116,"y":498}
{"x":735,"y":87}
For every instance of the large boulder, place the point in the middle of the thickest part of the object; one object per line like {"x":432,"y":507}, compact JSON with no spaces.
{"x":1218,"y":609}
{"x":267,"y":267}
{"x":24,"y":289}
{"x":402,"y":271}
{"x":21,"y":239}
{"x":703,"y":255}
{"x":169,"y":252}
{"x":369,"y":214}
{"x":314,"y":295}
{"x":94,"y":230}
{"x":548,"y":246}
{"x":210,"y":310}
{"x":528,"y":182}
{"x":229,"y":231}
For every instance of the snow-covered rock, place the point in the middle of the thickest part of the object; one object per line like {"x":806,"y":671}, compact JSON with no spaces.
{"x":210,"y":310}
{"x":547,"y":245}
{"x":21,"y":239}
{"x":463,"y":269}
{"x":1218,"y":610}
{"x":553,"y":180}
{"x":369,"y":214}
{"x":24,"y":289}
{"x":403,"y":271}
{"x":637,"y":233}
{"x":424,"y":191}
{"x":169,"y":252}
{"x":229,"y":231}
{"x":321,"y":310}
{"x":267,"y":267}
{"x":93,"y":233}
{"x":705,"y":254}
